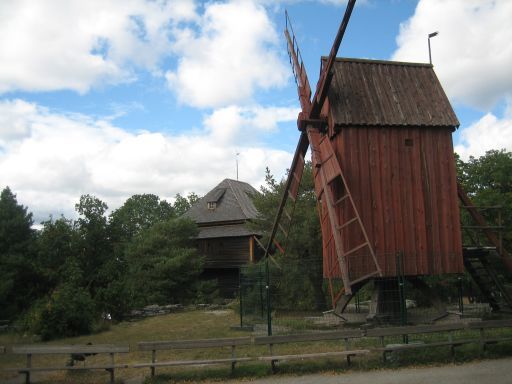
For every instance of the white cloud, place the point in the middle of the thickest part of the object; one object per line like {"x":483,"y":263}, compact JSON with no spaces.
{"x":223,"y":54}
{"x":233,"y":123}
{"x":233,"y":54}
{"x":490,"y":132}
{"x":14,"y":124}
{"x":61,"y":44}
{"x":54,"y":158}
{"x":472,"y":53}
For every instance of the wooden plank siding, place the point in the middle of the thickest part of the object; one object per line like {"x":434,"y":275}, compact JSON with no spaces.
{"x":224,"y":239}
{"x":391,"y":124}
{"x":403,"y":182}
{"x":226,"y":252}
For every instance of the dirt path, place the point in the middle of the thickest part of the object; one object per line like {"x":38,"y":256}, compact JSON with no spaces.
{"x":497,"y":371}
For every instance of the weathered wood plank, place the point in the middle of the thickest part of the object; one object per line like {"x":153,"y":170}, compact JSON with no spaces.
{"x":451,"y":343}
{"x":396,"y":331}
{"x":490,"y":324}
{"x":191,"y":362}
{"x":295,"y":338}
{"x":314,"y":355}
{"x":190,"y":344}
{"x":400,"y":347}
{"x":36,"y":349}
{"x":63,"y":368}
{"x":495,"y":340}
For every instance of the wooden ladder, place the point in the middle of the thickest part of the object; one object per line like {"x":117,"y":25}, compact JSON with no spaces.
{"x":334,"y":194}
{"x":478,"y":265}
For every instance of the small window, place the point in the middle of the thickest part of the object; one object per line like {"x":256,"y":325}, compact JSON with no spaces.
{"x":409,"y":142}
{"x":212,"y":205}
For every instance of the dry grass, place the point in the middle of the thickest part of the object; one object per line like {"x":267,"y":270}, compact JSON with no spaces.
{"x":182,"y":325}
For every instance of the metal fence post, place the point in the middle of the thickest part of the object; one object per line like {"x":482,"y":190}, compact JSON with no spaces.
{"x":401,"y":291}
{"x":269,"y":307}
{"x":241,"y":294}
{"x":461,"y":296}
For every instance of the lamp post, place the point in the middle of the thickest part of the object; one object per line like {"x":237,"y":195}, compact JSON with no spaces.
{"x":236,"y":157}
{"x":429,"y":52}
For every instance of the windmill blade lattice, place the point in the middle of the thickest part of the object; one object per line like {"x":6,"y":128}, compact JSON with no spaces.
{"x":327,"y":172}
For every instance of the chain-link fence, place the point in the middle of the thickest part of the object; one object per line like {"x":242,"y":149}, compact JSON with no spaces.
{"x":253,"y":295}
{"x":300,"y":299}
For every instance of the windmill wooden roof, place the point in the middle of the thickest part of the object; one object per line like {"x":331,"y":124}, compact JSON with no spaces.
{"x":228,"y":202}
{"x":388,"y":93}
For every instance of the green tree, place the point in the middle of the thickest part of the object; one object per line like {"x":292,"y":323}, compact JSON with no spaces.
{"x":299,"y":273}
{"x":56,"y":244}
{"x":104,"y":270}
{"x":163,"y":263}
{"x":183,"y":204}
{"x":138,"y":213}
{"x":488,"y":182}
{"x":69,"y":310}
{"x":16,"y":234}
{"x":94,"y":246}
{"x":19,"y":277}
{"x":112,"y":296}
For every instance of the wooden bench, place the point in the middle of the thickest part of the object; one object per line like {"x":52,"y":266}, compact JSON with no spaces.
{"x":154,"y":346}
{"x":345,"y":335}
{"x":406,"y":331}
{"x":76,"y":350}
{"x":436,"y":328}
{"x":484,"y":339}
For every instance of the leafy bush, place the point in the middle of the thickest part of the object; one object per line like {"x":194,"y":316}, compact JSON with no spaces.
{"x":207,"y":292}
{"x":113,"y":300}
{"x":69,"y":312}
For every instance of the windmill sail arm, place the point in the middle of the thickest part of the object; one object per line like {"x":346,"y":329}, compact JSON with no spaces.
{"x":299,"y":71}
{"x":291,"y":186}
{"x":326,"y":75}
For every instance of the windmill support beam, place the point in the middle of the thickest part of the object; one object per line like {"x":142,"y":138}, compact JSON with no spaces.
{"x":303,"y":123}
{"x":338,"y":242}
{"x":482,"y":224}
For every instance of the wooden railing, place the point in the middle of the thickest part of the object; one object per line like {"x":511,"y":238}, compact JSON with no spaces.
{"x":253,"y":352}
{"x":77,"y":352}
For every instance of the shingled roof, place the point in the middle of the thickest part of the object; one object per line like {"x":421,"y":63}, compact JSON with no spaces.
{"x":228,"y":202}
{"x":388,"y":93}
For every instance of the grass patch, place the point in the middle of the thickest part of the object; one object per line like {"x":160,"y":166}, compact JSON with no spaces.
{"x":182,"y":325}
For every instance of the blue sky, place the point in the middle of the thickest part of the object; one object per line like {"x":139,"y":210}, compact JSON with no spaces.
{"x":132,"y":96}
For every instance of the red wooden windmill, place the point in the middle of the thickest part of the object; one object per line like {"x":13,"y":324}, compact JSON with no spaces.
{"x":384,"y":169}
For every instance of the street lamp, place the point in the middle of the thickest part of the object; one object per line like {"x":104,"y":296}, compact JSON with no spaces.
{"x":429,"y":53}
{"x":236,"y":156}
